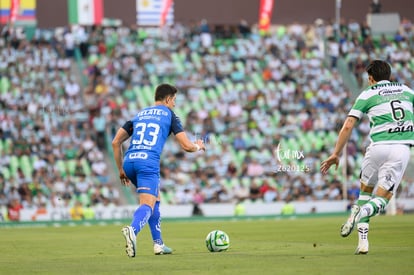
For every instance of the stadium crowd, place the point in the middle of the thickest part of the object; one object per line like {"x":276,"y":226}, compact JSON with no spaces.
{"x":48,"y":149}
{"x":268,"y":108}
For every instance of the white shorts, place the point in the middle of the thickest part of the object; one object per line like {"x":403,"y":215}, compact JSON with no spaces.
{"x":384,"y":165}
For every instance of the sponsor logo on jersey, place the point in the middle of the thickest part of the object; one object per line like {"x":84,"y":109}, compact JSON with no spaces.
{"x":157,"y":112}
{"x":401,"y":129}
{"x":139,"y":155}
{"x":386,"y":92}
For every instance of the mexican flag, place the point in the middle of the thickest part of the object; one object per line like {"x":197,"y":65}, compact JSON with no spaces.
{"x":85,"y":12}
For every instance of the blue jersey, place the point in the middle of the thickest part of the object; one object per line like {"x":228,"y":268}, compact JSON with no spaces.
{"x":149,"y":130}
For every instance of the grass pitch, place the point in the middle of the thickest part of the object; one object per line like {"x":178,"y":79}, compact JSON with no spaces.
{"x":257,"y":246}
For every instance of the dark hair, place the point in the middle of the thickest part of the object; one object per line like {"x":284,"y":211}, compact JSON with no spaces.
{"x":164,"y":90}
{"x":379,"y":70}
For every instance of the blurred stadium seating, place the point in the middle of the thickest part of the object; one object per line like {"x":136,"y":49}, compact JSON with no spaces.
{"x":246,"y":96}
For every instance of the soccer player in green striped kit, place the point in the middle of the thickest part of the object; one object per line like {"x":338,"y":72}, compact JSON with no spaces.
{"x":389,"y":107}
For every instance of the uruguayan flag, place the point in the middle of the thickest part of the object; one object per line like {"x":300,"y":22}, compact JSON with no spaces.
{"x":149,"y":13}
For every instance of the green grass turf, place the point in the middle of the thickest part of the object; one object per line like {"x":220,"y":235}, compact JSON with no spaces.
{"x":258,"y":246}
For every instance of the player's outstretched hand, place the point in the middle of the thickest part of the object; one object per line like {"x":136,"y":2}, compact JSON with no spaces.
{"x":124,"y":179}
{"x":333,"y":159}
{"x":200,"y":143}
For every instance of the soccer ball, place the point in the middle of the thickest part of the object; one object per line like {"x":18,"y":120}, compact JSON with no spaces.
{"x":217,"y":241}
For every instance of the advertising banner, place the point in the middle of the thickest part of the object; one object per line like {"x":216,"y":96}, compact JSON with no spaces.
{"x":265,"y":15}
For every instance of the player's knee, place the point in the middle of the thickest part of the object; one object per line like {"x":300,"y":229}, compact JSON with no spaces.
{"x":148,"y":199}
{"x":366,"y":188}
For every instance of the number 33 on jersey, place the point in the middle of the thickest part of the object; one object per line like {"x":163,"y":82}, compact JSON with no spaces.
{"x":149,"y":131}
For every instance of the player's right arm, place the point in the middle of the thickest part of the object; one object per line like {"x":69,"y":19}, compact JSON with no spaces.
{"x":343,"y":138}
{"x":344,"y":134}
{"x":358,"y":109}
{"x":121,"y":136}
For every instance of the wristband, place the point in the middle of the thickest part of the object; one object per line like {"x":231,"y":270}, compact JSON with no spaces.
{"x":197,"y":147}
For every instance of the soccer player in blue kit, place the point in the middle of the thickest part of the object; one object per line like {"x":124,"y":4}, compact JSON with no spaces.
{"x":149,"y":130}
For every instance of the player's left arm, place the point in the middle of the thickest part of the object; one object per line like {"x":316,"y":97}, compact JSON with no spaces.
{"x":182,"y":137}
{"x":187,"y":145}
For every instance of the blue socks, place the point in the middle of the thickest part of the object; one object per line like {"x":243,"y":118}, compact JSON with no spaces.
{"x":143,"y":215}
{"x":140,"y":219}
{"x":154,"y":223}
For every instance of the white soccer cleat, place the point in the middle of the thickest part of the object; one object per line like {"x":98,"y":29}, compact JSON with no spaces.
{"x":349,"y":225}
{"x":363,"y":244}
{"x":130,"y":239}
{"x":162,"y":249}
{"x":362,"y":248}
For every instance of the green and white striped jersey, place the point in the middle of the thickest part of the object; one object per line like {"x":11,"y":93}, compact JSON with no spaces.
{"x":389,"y":107}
